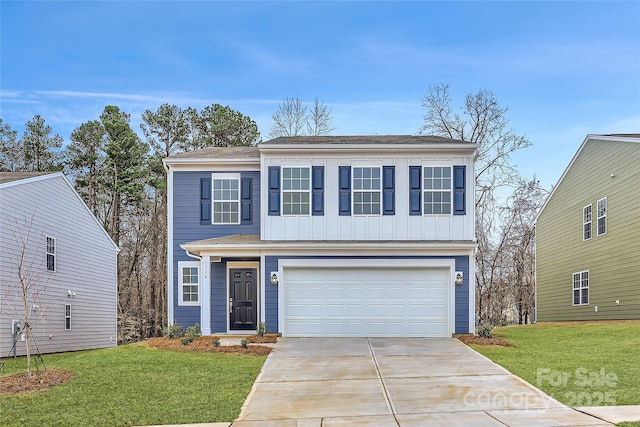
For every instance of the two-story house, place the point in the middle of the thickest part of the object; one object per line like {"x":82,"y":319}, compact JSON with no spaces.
{"x":588,"y":235}
{"x":324,"y":236}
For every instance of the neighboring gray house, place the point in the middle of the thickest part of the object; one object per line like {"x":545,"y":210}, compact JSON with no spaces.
{"x":70,"y":264}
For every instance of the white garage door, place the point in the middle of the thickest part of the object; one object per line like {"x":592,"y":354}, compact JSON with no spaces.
{"x":376,"y":302}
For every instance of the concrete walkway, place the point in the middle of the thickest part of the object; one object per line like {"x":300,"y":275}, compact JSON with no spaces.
{"x":395,"y":382}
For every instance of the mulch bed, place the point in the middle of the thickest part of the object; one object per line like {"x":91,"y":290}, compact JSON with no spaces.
{"x":20,"y":383}
{"x":495,"y":341}
{"x":205,"y":344}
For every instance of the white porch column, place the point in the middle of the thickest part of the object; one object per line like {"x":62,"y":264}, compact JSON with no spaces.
{"x":205,"y":295}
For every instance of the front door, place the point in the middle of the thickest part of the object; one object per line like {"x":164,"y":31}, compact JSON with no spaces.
{"x":243,"y":293}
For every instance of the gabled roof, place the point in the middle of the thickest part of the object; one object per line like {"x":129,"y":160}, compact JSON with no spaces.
{"x":251,"y":154}
{"x":363,"y":139}
{"x":17,"y":176}
{"x":15,"y":179}
{"x":245,"y":152}
{"x":632,"y":138}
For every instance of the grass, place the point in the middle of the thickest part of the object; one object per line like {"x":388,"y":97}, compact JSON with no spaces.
{"x":135,"y":385}
{"x":579,"y":364}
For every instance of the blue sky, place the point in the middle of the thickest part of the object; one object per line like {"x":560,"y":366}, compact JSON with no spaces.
{"x":564,"y":69}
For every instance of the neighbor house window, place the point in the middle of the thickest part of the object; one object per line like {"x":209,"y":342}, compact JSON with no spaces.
{"x":437,"y":190}
{"x":366,"y":191}
{"x":586,"y":222}
{"x":226,"y":200}
{"x":51,"y":254}
{"x":296,"y":191}
{"x":602,"y":216}
{"x":188,"y":283}
{"x":67,"y":317}
{"x":581,"y":288}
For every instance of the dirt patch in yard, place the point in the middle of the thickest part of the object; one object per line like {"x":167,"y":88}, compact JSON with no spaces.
{"x":205,"y":344}
{"x":495,"y":341}
{"x":20,"y":383}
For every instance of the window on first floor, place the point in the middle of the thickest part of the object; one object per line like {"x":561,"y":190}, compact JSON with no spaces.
{"x":437,"y":190}
{"x":67,"y":317}
{"x":188,"y":283}
{"x":367,"y":190}
{"x":51,"y":254}
{"x":581,"y":288}
{"x":226,"y":200}
{"x":296,"y":190}
{"x":602,"y":216}
{"x":586,"y":223}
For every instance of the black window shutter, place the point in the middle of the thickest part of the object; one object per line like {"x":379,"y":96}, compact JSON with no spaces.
{"x":274,"y":190}
{"x":317,"y":190}
{"x":245,"y":200}
{"x":459,"y":173}
{"x":205,"y":200}
{"x":344,"y":190}
{"x":415,"y":190}
{"x":388,"y":190}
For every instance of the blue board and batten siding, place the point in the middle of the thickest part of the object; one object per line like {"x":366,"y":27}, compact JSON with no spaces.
{"x":188,"y":227}
{"x":461,"y":291}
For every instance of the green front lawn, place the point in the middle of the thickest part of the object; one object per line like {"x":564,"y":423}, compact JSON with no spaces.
{"x":579,"y":364}
{"x":135,"y":385}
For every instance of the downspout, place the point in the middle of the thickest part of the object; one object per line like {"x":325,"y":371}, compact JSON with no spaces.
{"x":190,"y":255}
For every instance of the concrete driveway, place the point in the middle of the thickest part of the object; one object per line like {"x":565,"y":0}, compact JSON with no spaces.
{"x":394,"y":382}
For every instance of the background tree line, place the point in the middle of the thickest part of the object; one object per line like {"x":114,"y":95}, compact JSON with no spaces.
{"x":120,"y":176}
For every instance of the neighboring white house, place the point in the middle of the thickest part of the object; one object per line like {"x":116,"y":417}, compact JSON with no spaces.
{"x":69,"y":262}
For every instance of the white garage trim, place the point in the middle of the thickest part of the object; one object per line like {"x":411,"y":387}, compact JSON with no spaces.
{"x":364,"y":264}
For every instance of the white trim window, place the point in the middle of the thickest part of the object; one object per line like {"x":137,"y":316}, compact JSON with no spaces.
{"x":51,"y":254}
{"x":296,"y":190}
{"x":581,"y":288}
{"x":602,"y":216}
{"x":226,"y":199}
{"x":586,"y":222}
{"x":437,"y":185}
{"x":188,"y":283}
{"x":367,"y":190}
{"x":67,"y":317}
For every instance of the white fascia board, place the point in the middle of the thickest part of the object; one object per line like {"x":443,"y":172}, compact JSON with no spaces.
{"x":208,"y":162}
{"x":31,"y":179}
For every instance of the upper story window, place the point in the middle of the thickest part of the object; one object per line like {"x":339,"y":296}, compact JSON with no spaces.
{"x":581,"y":288}
{"x":366,"y":190}
{"x":51,"y":254}
{"x":226,"y":199}
{"x":602,"y":216}
{"x":437,"y":190}
{"x":296,"y":190}
{"x":188,"y":283}
{"x":586,"y":223}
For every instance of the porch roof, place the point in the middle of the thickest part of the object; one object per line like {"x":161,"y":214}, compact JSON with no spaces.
{"x":236,"y":242}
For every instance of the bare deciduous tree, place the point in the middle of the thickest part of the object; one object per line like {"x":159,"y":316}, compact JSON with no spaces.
{"x":319,"y":120}
{"x":293,"y":119}
{"x":483,"y":121}
{"x":23,"y":287}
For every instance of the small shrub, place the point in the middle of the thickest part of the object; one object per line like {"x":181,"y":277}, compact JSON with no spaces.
{"x":484,"y":331}
{"x":186,"y":340}
{"x":194,"y":331}
{"x":216,"y":342}
{"x":261,"y":329}
{"x":175,"y":331}
{"x":244,"y":343}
